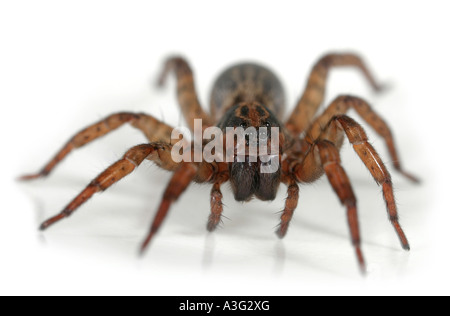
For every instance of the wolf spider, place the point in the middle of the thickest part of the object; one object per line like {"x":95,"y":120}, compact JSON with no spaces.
{"x":249,"y":95}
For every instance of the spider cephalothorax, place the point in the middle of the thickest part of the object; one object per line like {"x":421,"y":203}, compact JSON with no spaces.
{"x":248,"y":99}
{"x":246,"y":175}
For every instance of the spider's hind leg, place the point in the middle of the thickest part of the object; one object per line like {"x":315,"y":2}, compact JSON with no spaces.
{"x":186,"y":93}
{"x":313,"y":96}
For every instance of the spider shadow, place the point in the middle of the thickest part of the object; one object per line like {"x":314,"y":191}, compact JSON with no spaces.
{"x":39,"y":215}
{"x":280,"y":258}
{"x":208,"y":251}
{"x":306,"y":224}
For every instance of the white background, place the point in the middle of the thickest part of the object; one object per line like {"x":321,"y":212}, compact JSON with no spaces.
{"x":67,"y":64}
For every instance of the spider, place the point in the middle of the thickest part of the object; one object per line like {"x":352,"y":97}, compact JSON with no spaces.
{"x":250,"y":95}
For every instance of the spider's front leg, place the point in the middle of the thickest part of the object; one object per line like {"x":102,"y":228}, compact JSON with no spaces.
{"x":358,"y":138}
{"x":158,"y":152}
{"x":323,"y":156}
{"x":215,"y":216}
{"x":330,"y":160}
{"x":289,"y":206}
{"x":183,"y":176}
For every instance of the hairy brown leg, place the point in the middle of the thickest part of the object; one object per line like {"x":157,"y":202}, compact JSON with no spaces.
{"x":216,"y":201}
{"x":358,"y":138}
{"x":329,"y":157}
{"x":340,"y":106}
{"x":314,"y":93}
{"x":216,"y":207}
{"x":289,"y":207}
{"x":186,"y":93}
{"x":153,"y":129}
{"x":323,"y":156}
{"x":179,"y":182}
{"x":157,"y":152}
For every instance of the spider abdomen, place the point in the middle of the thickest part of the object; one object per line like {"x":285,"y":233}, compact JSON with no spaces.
{"x":247,"y":82}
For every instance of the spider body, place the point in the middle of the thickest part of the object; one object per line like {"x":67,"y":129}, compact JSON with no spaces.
{"x":247,"y":96}
{"x":245,"y":177}
{"x":247,"y":82}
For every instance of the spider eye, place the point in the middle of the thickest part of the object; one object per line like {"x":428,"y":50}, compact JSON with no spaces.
{"x":243,"y":125}
{"x":267,"y":124}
